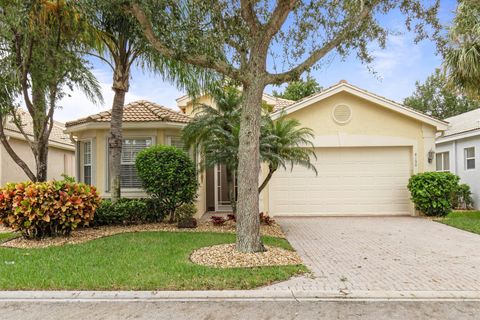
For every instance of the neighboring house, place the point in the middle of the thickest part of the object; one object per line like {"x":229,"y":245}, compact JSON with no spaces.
{"x":367,"y":148}
{"x":61,"y":152}
{"x":458,"y":150}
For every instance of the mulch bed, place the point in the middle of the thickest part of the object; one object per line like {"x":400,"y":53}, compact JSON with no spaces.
{"x":225,"y":256}
{"x":87,"y":234}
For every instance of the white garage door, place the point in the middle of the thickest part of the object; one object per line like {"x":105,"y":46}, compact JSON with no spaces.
{"x":364,"y":181}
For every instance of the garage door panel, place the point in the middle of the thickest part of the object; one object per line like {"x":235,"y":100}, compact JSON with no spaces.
{"x":349,"y":181}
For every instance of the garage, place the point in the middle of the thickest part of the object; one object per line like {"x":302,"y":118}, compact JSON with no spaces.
{"x":350,"y":181}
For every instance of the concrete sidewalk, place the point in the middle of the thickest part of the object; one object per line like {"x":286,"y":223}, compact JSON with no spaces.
{"x":248,"y":305}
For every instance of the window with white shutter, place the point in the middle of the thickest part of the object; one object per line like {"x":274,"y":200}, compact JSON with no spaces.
{"x":87,"y":162}
{"x":128,"y":172}
{"x":177,"y":141}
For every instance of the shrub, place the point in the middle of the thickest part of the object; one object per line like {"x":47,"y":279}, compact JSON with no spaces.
{"x":218,"y":220}
{"x":47,"y":208}
{"x":462,"y":197}
{"x":168,"y":175}
{"x":266,"y":219}
{"x":432,"y":192}
{"x":128,"y":211}
{"x":185,"y":215}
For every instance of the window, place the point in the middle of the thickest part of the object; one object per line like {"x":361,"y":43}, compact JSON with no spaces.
{"x":87,"y":162}
{"x":470,"y":158}
{"x":176,"y":142}
{"x":128,"y":172}
{"x":443,"y":161}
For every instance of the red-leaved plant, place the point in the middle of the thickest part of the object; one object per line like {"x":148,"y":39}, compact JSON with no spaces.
{"x":47,"y":208}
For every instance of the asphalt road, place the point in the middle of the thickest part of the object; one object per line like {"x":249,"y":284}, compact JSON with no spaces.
{"x":249,"y":310}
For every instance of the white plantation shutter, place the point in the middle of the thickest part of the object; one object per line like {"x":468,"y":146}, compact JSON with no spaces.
{"x":130,"y":149}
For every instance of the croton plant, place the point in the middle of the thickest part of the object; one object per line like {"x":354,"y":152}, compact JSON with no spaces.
{"x":47,"y":208}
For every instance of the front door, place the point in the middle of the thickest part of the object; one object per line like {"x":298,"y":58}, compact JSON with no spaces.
{"x":222,"y":192}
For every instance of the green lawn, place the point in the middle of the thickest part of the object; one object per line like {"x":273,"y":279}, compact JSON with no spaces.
{"x":132,"y":261}
{"x":469,"y":221}
{"x":5,"y":236}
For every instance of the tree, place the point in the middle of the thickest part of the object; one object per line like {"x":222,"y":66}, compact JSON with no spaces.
{"x":39,"y":42}
{"x":462,"y":55}
{"x":235,"y":38}
{"x":215,"y":132}
{"x":121,"y":46}
{"x":297,"y":90}
{"x":435,"y":98}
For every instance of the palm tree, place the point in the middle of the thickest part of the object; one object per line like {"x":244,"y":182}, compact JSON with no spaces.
{"x":285,"y":143}
{"x":462,"y":57}
{"x":121,"y":45}
{"x":215,"y":132}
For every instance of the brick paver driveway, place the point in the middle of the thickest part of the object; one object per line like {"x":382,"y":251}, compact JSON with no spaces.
{"x":382,"y":254}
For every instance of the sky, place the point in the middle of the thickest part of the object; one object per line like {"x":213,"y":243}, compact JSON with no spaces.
{"x":397,"y":68}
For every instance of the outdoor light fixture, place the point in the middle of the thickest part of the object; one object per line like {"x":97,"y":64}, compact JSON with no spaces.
{"x":431,"y":155}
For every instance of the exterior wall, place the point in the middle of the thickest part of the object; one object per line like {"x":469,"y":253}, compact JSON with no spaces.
{"x":100,"y":163}
{"x":60,"y":161}
{"x":457,"y":163}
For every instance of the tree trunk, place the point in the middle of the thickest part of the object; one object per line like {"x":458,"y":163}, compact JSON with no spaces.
{"x":248,"y":222}
{"x":231,"y":189}
{"x":41,"y":160}
{"x":271,"y":170}
{"x":115,"y":143}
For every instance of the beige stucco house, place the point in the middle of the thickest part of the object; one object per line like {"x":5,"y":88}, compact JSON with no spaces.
{"x":367,"y":147}
{"x":61,"y":152}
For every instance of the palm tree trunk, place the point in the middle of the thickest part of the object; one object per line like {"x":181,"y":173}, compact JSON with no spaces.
{"x":248,"y":222}
{"x":115,"y":144}
{"x":231,"y":190}
{"x":271,"y":170}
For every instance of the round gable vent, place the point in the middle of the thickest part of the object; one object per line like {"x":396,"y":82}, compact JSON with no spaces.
{"x":342,"y":114}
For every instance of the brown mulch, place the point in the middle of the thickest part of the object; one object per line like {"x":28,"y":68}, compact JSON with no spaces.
{"x":225,"y":256}
{"x":87,"y":234}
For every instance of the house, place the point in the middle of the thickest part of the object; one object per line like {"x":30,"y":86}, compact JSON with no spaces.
{"x":61,"y":152}
{"x":458,"y":150}
{"x":367,"y":148}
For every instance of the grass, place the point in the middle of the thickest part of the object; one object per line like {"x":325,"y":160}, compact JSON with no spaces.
{"x":5,"y":236}
{"x":133,"y":261}
{"x":467,"y":220}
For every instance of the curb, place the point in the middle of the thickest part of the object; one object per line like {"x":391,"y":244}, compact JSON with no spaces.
{"x":234,"y":295}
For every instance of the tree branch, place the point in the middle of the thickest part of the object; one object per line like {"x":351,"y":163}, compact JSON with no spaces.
{"x":248,"y":14}
{"x":319,"y":53}
{"x":200,"y":60}
{"x":18,"y":123}
{"x":277,"y":19}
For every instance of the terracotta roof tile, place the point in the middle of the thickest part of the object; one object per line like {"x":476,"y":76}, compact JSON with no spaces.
{"x":137,"y":111}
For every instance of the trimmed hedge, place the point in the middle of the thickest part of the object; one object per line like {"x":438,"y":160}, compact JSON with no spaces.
{"x":128,"y":211}
{"x":432,"y":192}
{"x":47,"y":208}
{"x":168,"y":175}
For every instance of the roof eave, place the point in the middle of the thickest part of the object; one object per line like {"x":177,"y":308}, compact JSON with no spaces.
{"x":125,"y":125}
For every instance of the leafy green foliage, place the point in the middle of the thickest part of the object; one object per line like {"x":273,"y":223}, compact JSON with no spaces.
{"x":40,"y":63}
{"x":432,"y":192}
{"x":435,"y":98}
{"x":168,"y":175}
{"x":462,"y":197}
{"x":128,"y":211}
{"x":48,"y":208}
{"x":185,"y":215}
{"x":462,"y":56}
{"x":297,"y":90}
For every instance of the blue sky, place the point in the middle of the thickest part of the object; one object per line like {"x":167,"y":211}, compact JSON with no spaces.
{"x":397,"y":68}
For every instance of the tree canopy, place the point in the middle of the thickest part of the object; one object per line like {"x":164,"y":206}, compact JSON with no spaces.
{"x":40,"y":41}
{"x":462,"y":56}
{"x":435,"y":98}
{"x":297,"y":90}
